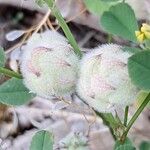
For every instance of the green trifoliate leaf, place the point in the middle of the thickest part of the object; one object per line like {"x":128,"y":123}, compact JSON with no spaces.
{"x":120,"y":20}
{"x":99,"y":6}
{"x":42,"y":140}
{"x":139,"y":69}
{"x":131,"y":49}
{"x":13,"y":92}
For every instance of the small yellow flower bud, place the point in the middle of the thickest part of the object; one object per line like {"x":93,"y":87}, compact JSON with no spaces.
{"x":140,"y":36}
{"x":145,"y":27}
{"x":137,"y":33}
{"x":144,"y":33}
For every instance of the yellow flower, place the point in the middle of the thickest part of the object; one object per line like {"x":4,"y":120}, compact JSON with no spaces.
{"x":144,"y":33}
{"x":140,"y":36}
{"x":145,"y":27}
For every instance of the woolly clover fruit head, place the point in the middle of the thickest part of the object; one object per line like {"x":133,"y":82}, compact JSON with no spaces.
{"x":104,"y":81}
{"x":49,"y":65}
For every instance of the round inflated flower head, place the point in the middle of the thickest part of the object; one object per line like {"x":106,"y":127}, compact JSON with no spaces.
{"x":49,"y":65}
{"x":104,"y":81}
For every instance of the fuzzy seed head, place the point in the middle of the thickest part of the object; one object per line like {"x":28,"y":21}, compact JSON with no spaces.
{"x":104,"y":81}
{"x":49,"y":65}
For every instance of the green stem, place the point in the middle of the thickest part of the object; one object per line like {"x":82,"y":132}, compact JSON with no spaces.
{"x":105,"y":118}
{"x":108,"y":118}
{"x":135,"y":116}
{"x":126,"y":115}
{"x":64,"y":26}
{"x":10,"y":73}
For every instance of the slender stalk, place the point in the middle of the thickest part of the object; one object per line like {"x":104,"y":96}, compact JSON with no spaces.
{"x":126,"y":115}
{"x":64,"y":26}
{"x":105,"y":118}
{"x":10,"y":73}
{"x":108,"y":119}
{"x":135,"y":116}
